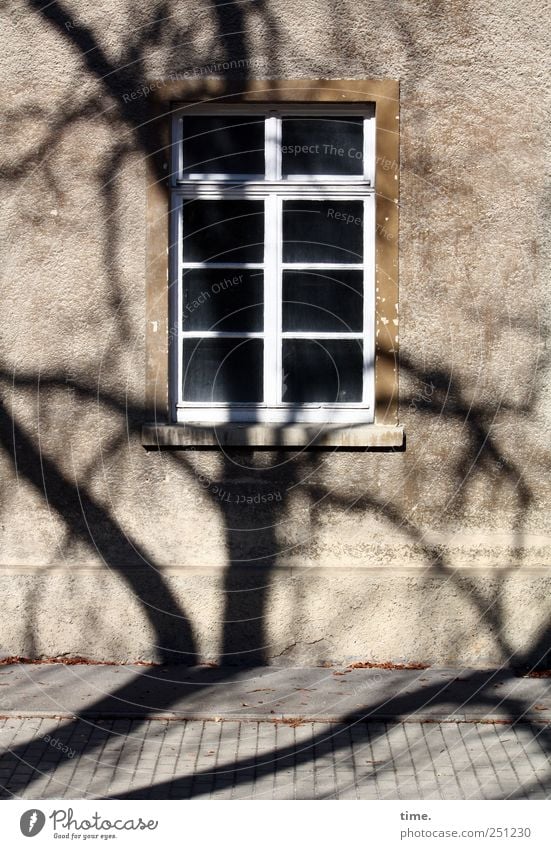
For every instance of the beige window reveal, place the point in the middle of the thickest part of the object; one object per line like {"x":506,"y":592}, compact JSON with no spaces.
{"x":171,"y":422}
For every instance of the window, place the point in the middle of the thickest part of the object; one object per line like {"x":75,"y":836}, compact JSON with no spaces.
{"x":272,"y":263}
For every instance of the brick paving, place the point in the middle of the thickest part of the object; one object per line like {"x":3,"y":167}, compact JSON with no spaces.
{"x":47,"y":758}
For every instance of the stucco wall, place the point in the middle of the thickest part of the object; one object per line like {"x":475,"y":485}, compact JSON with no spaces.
{"x":439,"y":553}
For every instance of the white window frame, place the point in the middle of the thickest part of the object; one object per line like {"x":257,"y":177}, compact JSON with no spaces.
{"x":272,"y":189}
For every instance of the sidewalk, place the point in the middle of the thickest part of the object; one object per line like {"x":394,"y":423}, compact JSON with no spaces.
{"x":87,"y":731}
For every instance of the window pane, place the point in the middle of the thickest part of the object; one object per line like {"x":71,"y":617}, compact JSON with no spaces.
{"x":323,"y":231}
{"x":225,"y":145}
{"x":223,"y":299}
{"x":223,"y":231}
{"x":323,"y":300}
{"x":322,"y":146}
{"x":325,"y":370}
{"x":223,"y":370}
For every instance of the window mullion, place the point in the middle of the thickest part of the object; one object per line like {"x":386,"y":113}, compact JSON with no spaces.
{"x":369,"y":302}
{"x":271,"y":147}
{"x":278,"y":149}
{"x":176,"y":297}
{"x":271,"y":297}
{"x":271,"y":265}
{"x":278,"y":203}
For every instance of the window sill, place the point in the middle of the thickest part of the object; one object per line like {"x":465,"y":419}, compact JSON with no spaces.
{"x":208,"y":435}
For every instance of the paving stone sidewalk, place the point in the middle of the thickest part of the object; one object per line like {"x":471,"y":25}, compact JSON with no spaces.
{"x":91,"y":732}
{"x":44,"y":759}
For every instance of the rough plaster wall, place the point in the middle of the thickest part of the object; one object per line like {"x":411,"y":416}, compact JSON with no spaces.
{"x":471,"y":490}
{"x":98,"y":619}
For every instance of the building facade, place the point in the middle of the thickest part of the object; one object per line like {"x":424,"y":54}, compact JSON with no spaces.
{"x":413,"y":530}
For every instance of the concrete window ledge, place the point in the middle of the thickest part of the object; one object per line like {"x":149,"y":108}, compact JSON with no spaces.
{"x":201,"y":435}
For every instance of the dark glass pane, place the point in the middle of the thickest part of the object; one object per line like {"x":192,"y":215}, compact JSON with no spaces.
{"x":223,"y":370}
{"x":224,"y":145}
{"x":323,"y":231}
{"x":223,"y":231}
{"x":323,"y":300}
{"x":327,"y":371}
{"x":322,"y":146}
{"x":223,"y":299}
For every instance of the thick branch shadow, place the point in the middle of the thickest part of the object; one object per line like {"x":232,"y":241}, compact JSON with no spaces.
{"x":280,"y":760}
{"x":91,"y":522}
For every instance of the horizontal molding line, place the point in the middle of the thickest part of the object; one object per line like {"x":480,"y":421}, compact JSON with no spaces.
{"x":292,"y":570}
{"x":286,"y":334}
{"x":310,"y":108}
{"x":222,"y":265}
{"x":286,"y":266}
{"x":296,"y":180}
{"x":298,"y":191}
{"x":221,"y":334}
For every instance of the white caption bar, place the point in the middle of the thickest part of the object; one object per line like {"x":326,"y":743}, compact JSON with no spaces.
{"x":271,"y":825}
